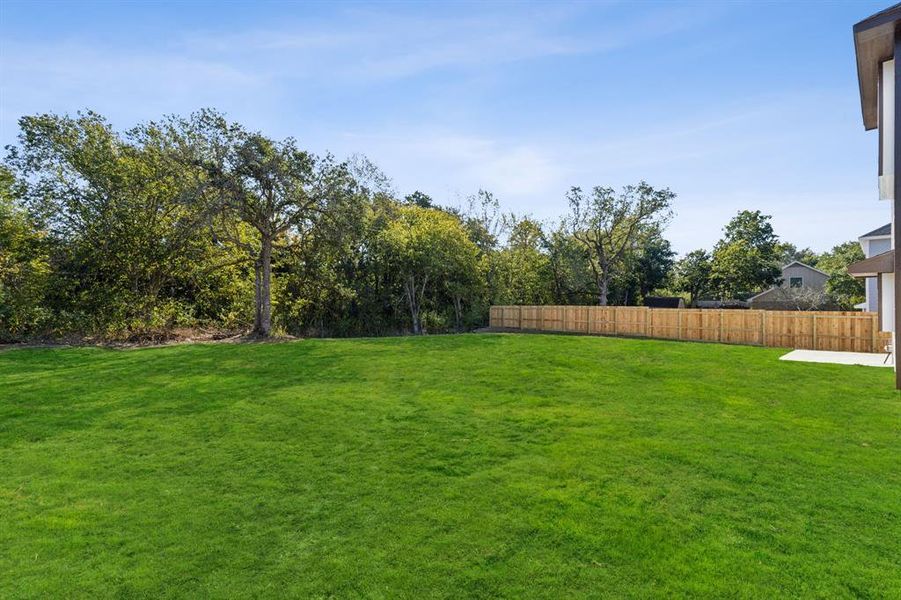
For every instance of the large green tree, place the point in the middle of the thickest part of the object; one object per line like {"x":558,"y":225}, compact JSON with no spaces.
{"x":24,"y":265}
{"x":522,"y":266}
{"x":692,"y":275}
{"x":654,"y":263}
{"x":747,"y":258}
{"x":843,"y":289}
{"x":425,"y":247}
{"x":273,"y":187}
{"x":331,"y":283}
{"x":123,"y":228}
{"x":611,"y":225}
{"x":572,"y":279}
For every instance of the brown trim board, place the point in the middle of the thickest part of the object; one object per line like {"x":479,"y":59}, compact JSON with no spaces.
{"x":881,"y":112}
{"x":871,"y":267}
{"x":896,"y":200}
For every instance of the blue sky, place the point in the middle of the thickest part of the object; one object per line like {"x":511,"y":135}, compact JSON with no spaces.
{"x":731,"y":105}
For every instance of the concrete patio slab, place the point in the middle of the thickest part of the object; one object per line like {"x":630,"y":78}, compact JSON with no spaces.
{"x":867,"y":359}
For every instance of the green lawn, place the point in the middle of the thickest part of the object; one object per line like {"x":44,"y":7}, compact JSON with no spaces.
{"x":452,"y":466}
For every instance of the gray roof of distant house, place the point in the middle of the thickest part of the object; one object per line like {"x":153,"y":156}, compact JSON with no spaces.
{"x":806,"y":266}
{"x":879,"y":231}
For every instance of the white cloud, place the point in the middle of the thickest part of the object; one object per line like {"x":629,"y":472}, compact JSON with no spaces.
{"x":448,"y":165}
{"x":768,"y":153}
{"x":266,"y":66}
{"x":131,"y":86}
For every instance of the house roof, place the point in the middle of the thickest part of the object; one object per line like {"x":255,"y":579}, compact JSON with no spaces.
{"x":883,"y":231}
{"x":800,"y":264}
{"x":874,"y":42}
{"x":762,"y":294}
{"x":873,"y":266}
{"x":664,"y":302}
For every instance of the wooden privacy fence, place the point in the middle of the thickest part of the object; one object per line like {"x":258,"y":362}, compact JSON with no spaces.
{"x":842,"y":331}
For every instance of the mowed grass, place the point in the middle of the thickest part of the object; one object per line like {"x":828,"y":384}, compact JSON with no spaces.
{"x":453,"y":466}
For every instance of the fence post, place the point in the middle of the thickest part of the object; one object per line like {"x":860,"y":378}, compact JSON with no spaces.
{"x":763,"y":328}
{"x":613,"y":309}
{"x":588,"y":320}
{"x":874,"y":341}
{"x":720,"y":335}
{"x":815,"y":332}
{"x":541,"y":314}
{"x":679,"y":324}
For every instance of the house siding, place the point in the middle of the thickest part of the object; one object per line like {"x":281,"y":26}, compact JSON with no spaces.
{"x":812,"y":279}
{"x":872,"y":247}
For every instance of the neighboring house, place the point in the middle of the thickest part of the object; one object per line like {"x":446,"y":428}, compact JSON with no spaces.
{"x":877,"y":47}
{"x":664,"y":302}
{"x":802,"y":288}
{"x":874,"y":243}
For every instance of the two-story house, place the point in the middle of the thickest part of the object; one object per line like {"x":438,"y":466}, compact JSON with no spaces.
{"x":877,"y":47}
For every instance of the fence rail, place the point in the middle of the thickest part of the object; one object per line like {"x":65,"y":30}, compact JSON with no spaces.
{"x":841,"y":331}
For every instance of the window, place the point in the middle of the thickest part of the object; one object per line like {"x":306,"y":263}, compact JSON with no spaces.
{"x":795,"y":282}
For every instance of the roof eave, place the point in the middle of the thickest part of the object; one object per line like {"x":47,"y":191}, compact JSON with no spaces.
{"x":760,"y":294}
{"x":873,"y":266}
{"x":806,"y":266}
{"x":880,"y":232}
{"x":873,"y":43}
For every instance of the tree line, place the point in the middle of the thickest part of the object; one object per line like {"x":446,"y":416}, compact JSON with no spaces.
{"x":198,"y":222}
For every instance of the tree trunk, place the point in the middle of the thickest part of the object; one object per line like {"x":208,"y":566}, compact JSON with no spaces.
{"x":603,"y":287}
{"x":256,"y":294}
{"x":558,"y":287}
{"x":602,"y":279}
{"x":410,"y":289}
{"x":458,"y":312}
{"x":263,"y":321}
